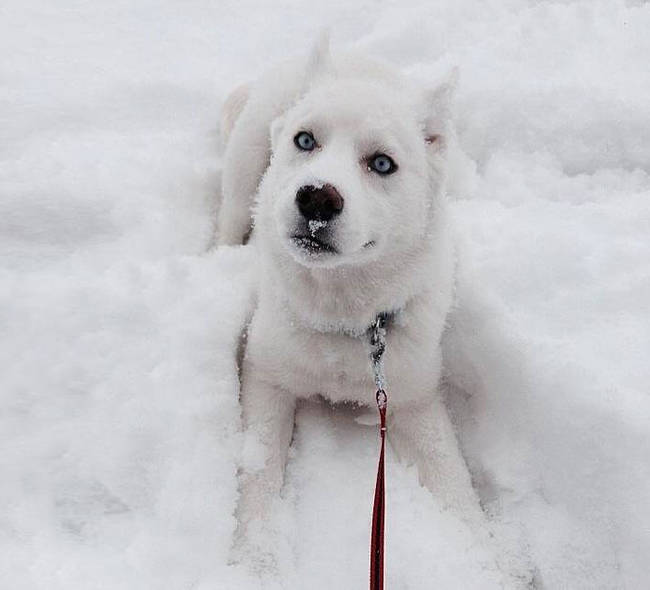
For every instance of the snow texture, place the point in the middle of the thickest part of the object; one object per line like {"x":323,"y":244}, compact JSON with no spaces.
{"x":120,"y":427}
{"x":315,"y":225}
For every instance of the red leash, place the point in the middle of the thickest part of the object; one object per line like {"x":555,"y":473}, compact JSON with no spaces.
{"x":378,"y":345}
{"x":378,"y":509}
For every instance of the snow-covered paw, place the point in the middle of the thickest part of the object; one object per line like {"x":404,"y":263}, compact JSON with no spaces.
{"x":253,"y":551}
{"x":254,"y":559}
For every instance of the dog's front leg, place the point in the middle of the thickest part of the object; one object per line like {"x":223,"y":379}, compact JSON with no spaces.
{"x":268,"y":417}
{"x":423,"y":434}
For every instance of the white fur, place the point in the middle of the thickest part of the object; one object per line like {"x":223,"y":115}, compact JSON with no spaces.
{"x":307,"y":335}
{"x":232,"y":108}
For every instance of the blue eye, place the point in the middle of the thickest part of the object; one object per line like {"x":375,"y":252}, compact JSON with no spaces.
{"x":305,"y":141}
{"x":382,"y":164}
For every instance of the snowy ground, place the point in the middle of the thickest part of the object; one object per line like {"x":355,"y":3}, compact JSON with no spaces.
{"x":119,"y":422}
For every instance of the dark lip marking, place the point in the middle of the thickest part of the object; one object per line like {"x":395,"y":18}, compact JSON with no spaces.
{"x":369,"y":244}
{"x":312,"y":245}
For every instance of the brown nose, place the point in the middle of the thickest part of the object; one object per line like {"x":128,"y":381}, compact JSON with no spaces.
{"x":319,"y":203}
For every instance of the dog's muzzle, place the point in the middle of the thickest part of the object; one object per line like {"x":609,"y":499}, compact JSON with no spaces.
{"x":318,"y":206}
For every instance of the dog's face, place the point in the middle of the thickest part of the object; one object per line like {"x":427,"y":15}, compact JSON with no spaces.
{"x":350,"y":178}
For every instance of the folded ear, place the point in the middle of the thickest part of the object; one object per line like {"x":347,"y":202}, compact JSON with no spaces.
{"x":319,"y":59}
{"x":438,"y":103}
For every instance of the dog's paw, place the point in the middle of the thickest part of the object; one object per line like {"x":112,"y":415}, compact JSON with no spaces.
{"x":255,"y":556}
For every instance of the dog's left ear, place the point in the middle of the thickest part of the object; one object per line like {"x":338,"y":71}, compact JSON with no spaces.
{"x":438,"y":104}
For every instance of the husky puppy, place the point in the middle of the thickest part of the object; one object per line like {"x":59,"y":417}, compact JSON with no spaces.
{"x":349,"y":222}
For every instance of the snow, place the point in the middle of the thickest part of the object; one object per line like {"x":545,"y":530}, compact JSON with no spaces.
{"x":120,"y":423}
{"x":315,"y":225}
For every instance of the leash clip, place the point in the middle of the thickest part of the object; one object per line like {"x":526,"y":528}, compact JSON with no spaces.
{"x":382,"y":399}
{"x":377,"y":348}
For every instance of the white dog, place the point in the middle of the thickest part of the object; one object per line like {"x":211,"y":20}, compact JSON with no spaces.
{"x":350,"y":222}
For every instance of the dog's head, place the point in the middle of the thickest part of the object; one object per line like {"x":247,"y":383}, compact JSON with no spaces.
{"x":356,"y":166}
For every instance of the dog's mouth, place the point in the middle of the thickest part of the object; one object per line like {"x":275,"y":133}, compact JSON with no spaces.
{"x":312,"y":245}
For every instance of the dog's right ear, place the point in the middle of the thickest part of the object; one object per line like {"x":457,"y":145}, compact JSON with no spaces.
{"x":319,"y":60}
{"x":317,"y":65}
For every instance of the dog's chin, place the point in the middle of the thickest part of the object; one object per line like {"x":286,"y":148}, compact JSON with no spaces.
{"x":318,"y":252}
{"x":313,"y":251}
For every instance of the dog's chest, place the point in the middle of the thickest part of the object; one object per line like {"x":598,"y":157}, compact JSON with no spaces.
{"x":337,"y":366}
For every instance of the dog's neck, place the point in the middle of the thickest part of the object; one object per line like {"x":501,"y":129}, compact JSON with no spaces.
{"x":349,"y":298}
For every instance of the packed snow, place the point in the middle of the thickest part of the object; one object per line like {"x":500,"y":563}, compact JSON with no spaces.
{"x":120,"y":321}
